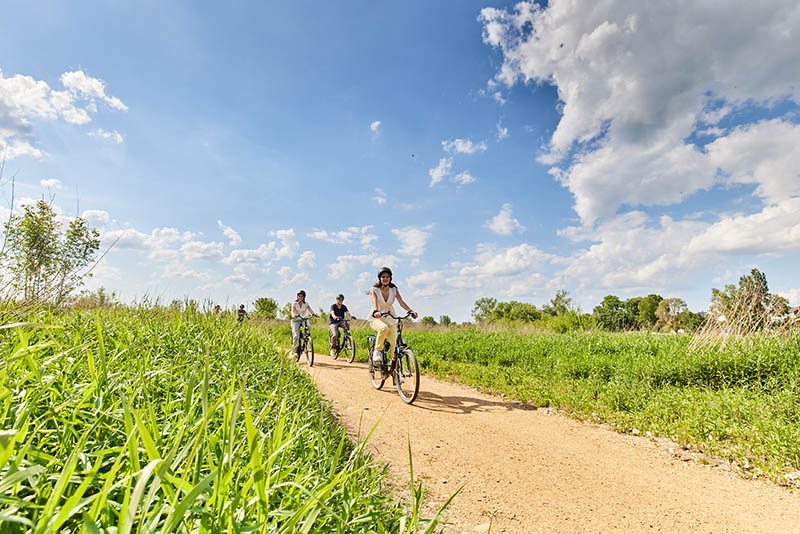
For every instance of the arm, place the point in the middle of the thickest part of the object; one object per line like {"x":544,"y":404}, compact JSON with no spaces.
{"x":405,"y":306}
{"x":374,"y":303}
{"x":333,"y":315}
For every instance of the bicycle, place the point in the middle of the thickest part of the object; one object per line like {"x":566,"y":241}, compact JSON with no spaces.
{"x":346,"y":344}
{"x":403,"y":368}
{"x":305,"y":343}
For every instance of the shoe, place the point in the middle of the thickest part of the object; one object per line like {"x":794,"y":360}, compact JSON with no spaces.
{"x":333,"y":353}
{"x":377,"y":357}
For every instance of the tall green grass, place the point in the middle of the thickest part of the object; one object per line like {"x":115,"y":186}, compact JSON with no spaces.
{"x":737,"y":400}
{"x":149,"y":421}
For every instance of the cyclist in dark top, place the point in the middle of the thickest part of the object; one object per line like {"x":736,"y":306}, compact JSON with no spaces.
{"x":241,"y":314}
{"x":337,"y":314}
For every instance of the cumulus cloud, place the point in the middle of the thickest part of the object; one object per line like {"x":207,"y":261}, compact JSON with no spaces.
{"x":380,"y":196}
{"x":502,"y":132}
{"x":413,"y":239}
{"x":288,"y":244}
{"x":463,"y":178}
{"x":348,"y":263}
{"x":439,"y":172}
{"x":178,"y":270}
{"x":375,"y":126}
{"x":504,"y":223}
{"x":24,"y":99}
{"x":633,"y":90}
{"x":235,"y":239}
{"x":307,"y":261}
{"x":96,"y":217}
{"x":114,"y":135}
{"x":463,"y":146}
{"x":197,"y":250}
{"x":51,"y":183}
{"x":353,"y":234}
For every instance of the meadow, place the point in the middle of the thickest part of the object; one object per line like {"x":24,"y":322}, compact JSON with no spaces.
{"x":737,"y":400}
{"x":155,"y":421}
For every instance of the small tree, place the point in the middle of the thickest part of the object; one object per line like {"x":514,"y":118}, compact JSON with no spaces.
{"x":611,"y":314}
{"x":266,"y":308}
{"x":46,"y":263}
{"x":670,"y":313}
{"x":560,"y":304}
{"x":286,"y":311}
{"x":445,"y":320}
{"x":428,"y":321}
{"x":647,"y":310}
{"x":750,"y":306}
{"x":483,"y":309}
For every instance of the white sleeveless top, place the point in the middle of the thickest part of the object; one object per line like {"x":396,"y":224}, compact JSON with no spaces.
{"x":300,"y":309}
{"x":386,"y":305}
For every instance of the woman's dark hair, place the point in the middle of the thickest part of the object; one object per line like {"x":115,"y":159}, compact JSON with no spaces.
{"x":378,"y":284}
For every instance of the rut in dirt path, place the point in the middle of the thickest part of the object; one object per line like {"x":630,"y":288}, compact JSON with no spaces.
{"x":527,"y":470}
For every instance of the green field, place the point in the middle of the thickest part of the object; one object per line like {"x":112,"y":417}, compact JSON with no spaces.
{"x":133,"y":421}
{"x":739,"y":401}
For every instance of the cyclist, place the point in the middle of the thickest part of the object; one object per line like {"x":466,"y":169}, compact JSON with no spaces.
{"x":241,"y":314}
{"x":300,"y":309}
{"x":336,"y":316}
{"x":384,"y":293}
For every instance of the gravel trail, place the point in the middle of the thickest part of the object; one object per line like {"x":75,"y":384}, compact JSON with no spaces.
{"x":527,"y":470}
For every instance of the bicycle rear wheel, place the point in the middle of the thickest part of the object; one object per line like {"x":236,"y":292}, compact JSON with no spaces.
{"x":349,"y":349}
{"x":310,"y":352}
{"x":406,"y":377}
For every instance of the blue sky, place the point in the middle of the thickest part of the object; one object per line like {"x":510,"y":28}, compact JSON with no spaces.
{"x":479,"y":149}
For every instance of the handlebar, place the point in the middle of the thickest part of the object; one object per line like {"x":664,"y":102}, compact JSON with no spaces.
{"x":389,"y":314}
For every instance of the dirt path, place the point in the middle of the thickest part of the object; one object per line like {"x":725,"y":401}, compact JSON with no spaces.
{"x":535,"y":471}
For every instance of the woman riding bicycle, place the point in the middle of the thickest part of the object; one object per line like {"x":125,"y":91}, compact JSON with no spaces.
{"x":300,"y":309}
{"x":384,"y":293}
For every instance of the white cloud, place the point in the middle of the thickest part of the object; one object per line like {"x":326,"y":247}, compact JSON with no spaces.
{"x":360,"y":234}
{"x":629,"y":103}
{"x":250,"y":255}
{"x":231,"y":234}
{"x":439,"y":172}
{"x":24,"y":99}
{"x":463,"y":178}
{"x":96,"y":217}
{"x":307,"y":261}
{"x":51,"y":183}
{"x":502,"y":132}
{"x":161,"y":243}
{"x":375,"y":126}
{"x":86,"y":87}
{"x":114,"y":135}
{"x":504,"y":223}
{"x":380,"y":196}
{"x":289,"y":244}
{"x":197,"y":250}
{"x":793,"y":295}
{"x":348,"y":263}
{"x":463,"y":146}
{"x":413,"y":239}
{"x":177,"y":270}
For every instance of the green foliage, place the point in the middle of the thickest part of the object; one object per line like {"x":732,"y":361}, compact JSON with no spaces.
{"x":750,"y":306}
{"x":647,"y":310}
{"x":611,"y":314}
{"x":286,"y":311}
{"x":266,"y":308}
{"x":514,"y":311}
{"x":46,"y":261}
{"x":483,"y":309}
{"x":99,"y":298}
{"x":428,"y":321}
{"x":445,"y":320}
{"x":560,"y":304}
{"x":672,"y":313}
{"x":171,"y":422}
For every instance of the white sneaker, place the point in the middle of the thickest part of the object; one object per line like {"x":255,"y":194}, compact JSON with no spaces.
{"x":333,"y":353}
{"x":377,"y":357}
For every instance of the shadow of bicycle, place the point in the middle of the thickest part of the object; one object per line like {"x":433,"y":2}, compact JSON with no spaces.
{"x":466,"y":405}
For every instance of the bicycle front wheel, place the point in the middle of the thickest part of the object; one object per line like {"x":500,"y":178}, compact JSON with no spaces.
{"x":310,"y":352}
{"x":349,"y":349}
{"x":406,"y":377}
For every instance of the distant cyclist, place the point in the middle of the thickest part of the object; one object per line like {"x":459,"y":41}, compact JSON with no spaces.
{"x":337,"y":315}
{"x":300,"y":311}
{"x":241,"y":313}
{"x":384,"y":293}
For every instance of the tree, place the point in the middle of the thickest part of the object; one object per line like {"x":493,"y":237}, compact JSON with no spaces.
{"x":750,"y":306}
{"x":632,"y":311}
{"x":610,"y":313}
{"x":266,"y":308}
{"x":445,"y":320}
{"x":483,"y":309}
{"x":560,"y":304}
{"x":428,"y":321}
{"x":46,"y":263}
{"x":670,"y":312}
{"x":286,"y":311}
{"x":647,"y":309}
{"x":515,"y":311}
